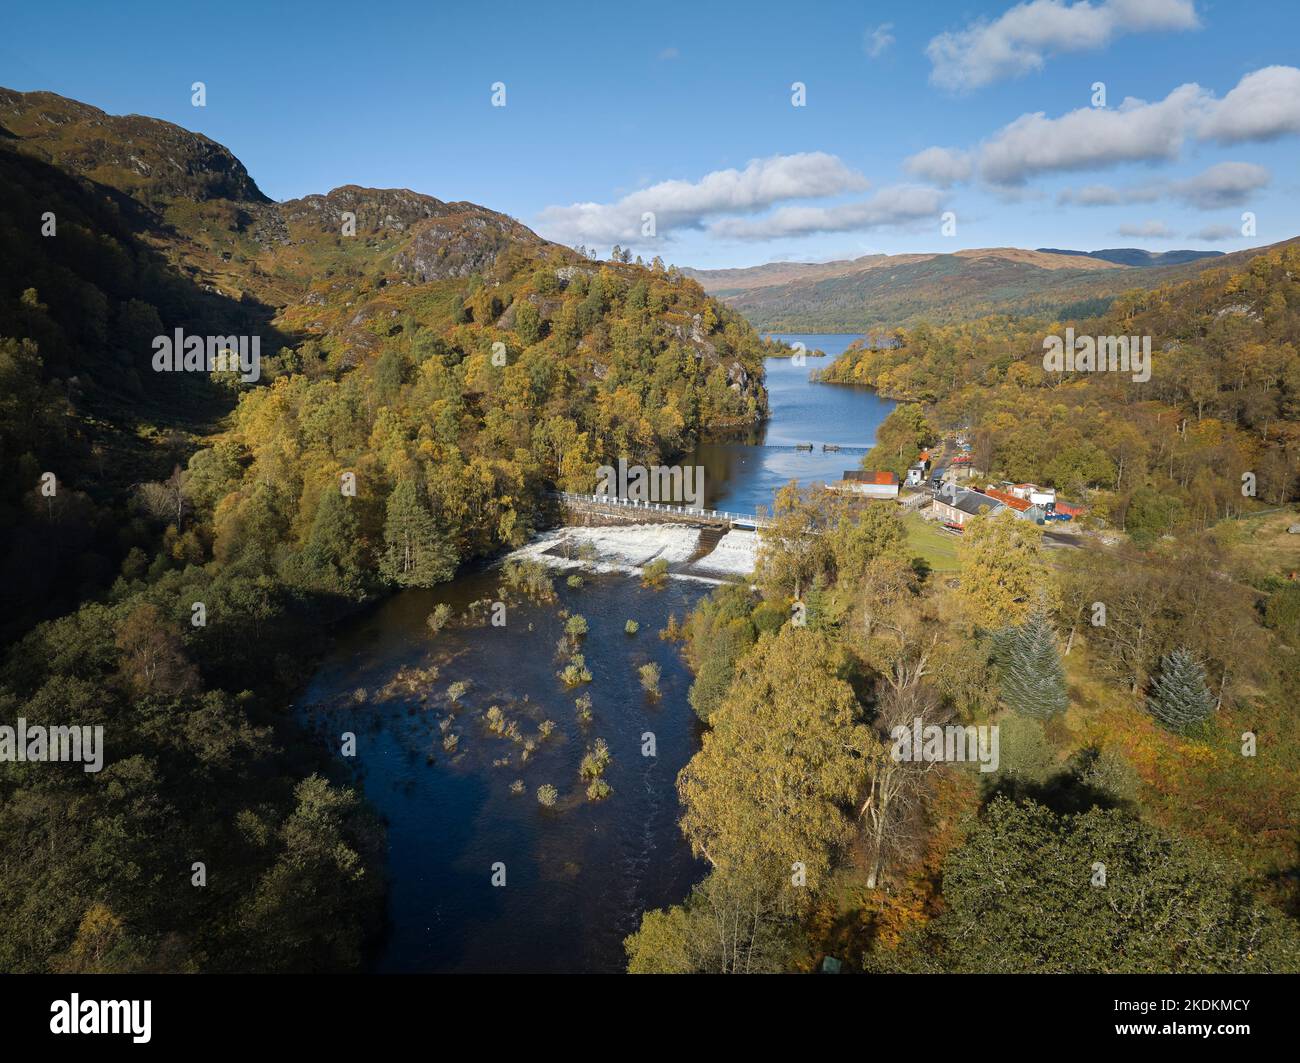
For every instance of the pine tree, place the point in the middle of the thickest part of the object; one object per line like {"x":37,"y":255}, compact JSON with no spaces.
{"x":334,"y":556}
{"x":1179,"y":697}
{"x":1033,"y":680}
{"x":415,"y":554}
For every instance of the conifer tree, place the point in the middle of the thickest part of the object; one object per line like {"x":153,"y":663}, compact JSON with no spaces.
{"x":334,"y":556}
{"x":1179,"y":697}
{"x":415,"y":554}
{"x":1033,"y":679}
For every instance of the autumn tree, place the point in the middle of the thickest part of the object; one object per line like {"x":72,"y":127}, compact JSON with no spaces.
{"x":780,"y":764}
{"x":1003,"y":573}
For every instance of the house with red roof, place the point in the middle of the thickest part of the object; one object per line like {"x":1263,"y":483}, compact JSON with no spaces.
{"x":870,"y":484}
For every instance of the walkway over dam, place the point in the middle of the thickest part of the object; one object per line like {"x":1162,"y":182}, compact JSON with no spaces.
{"x":659,"y":511}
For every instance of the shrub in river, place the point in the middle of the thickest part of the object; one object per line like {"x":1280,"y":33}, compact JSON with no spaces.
{"x":650,"y":675}
{"x":584,"y":708}
{"x":576,"y":626}
{"x":530,"y":745}
{"x":439,"y":618}
{"x":517,"y":787}
{"x":672,"y":631}
{"x":595,"y":761}
{"x":575,"y":672}
{"x":457,"y":690}
{"x":546,"y":728}
{"x":631,"y":627}
{"x":574,"y":581}
{"x":655,"y":574}
{"x":450,"y":742}
{"x":530,"y":578}
{"x":496,"y":719}
{"x":546,"y":794}
{"x":598,"y":790}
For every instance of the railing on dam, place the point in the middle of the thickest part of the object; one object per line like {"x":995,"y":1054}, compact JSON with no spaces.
{"x":621,"y":505}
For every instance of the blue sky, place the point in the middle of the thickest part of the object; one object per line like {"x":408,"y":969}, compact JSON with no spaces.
{"x":607,"y":102}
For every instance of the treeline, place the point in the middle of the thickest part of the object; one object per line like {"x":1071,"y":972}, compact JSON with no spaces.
{"x":1139,"y":813}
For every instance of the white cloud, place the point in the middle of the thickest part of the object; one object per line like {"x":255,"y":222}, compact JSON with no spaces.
{"x":897,"y":205}
{"x":943,"y":166}
{"x":1021,"y":39}
{"x":1092,"y":137}
{"x":1265,"y":104}
{"x":1150,"y":230}
{"x":669,"y":53}
{"x":1222,"y":185}
{"x":1215,"y":233}
{"x":689,"y":204}
{"x":877,"y":39}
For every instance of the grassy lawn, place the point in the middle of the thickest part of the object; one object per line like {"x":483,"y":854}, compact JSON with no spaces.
{"x":928,"y":540}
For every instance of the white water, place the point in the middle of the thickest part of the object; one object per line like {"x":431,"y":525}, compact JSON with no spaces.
{"x":630,"y":547}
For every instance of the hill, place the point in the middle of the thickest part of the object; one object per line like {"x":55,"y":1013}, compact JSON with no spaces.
{"x":880,"y":292}
{"x":1135,"y":256}
{"x":174,"y":543}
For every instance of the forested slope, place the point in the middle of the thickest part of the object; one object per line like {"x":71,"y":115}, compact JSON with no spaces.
{"x":429,"y":372}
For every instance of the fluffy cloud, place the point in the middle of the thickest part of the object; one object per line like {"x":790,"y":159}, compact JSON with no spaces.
{"x":943,"y":166}
{"x":898,"y":205}
{"x":1021,"y":39}
{"x":1265,"y":104}
{"x":877,"y":39}
{"x":1150,"y":230}
{"x":689,"y":204}
{"x":1223,"y":185}
{"x":1093,"y":137}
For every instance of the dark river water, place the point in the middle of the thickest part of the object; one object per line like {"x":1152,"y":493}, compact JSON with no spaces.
{"x":578,"y":874}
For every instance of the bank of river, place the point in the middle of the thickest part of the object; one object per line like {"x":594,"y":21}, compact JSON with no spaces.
{"x":577,"y":875}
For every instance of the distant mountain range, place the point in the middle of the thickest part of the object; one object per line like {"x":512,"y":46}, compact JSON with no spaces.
{"x":888,"y":291}
{"x":1135,"y":256}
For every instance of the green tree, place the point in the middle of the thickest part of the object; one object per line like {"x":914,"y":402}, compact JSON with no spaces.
{"x":334,"y":557}
{"x":1179,"y":697}
{"x":1033,"y":679}
{"x":1025,"y":893}
{"x":415,"y":554}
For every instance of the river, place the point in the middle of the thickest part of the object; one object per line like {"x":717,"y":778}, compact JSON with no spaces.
{"x":576,"y":875}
